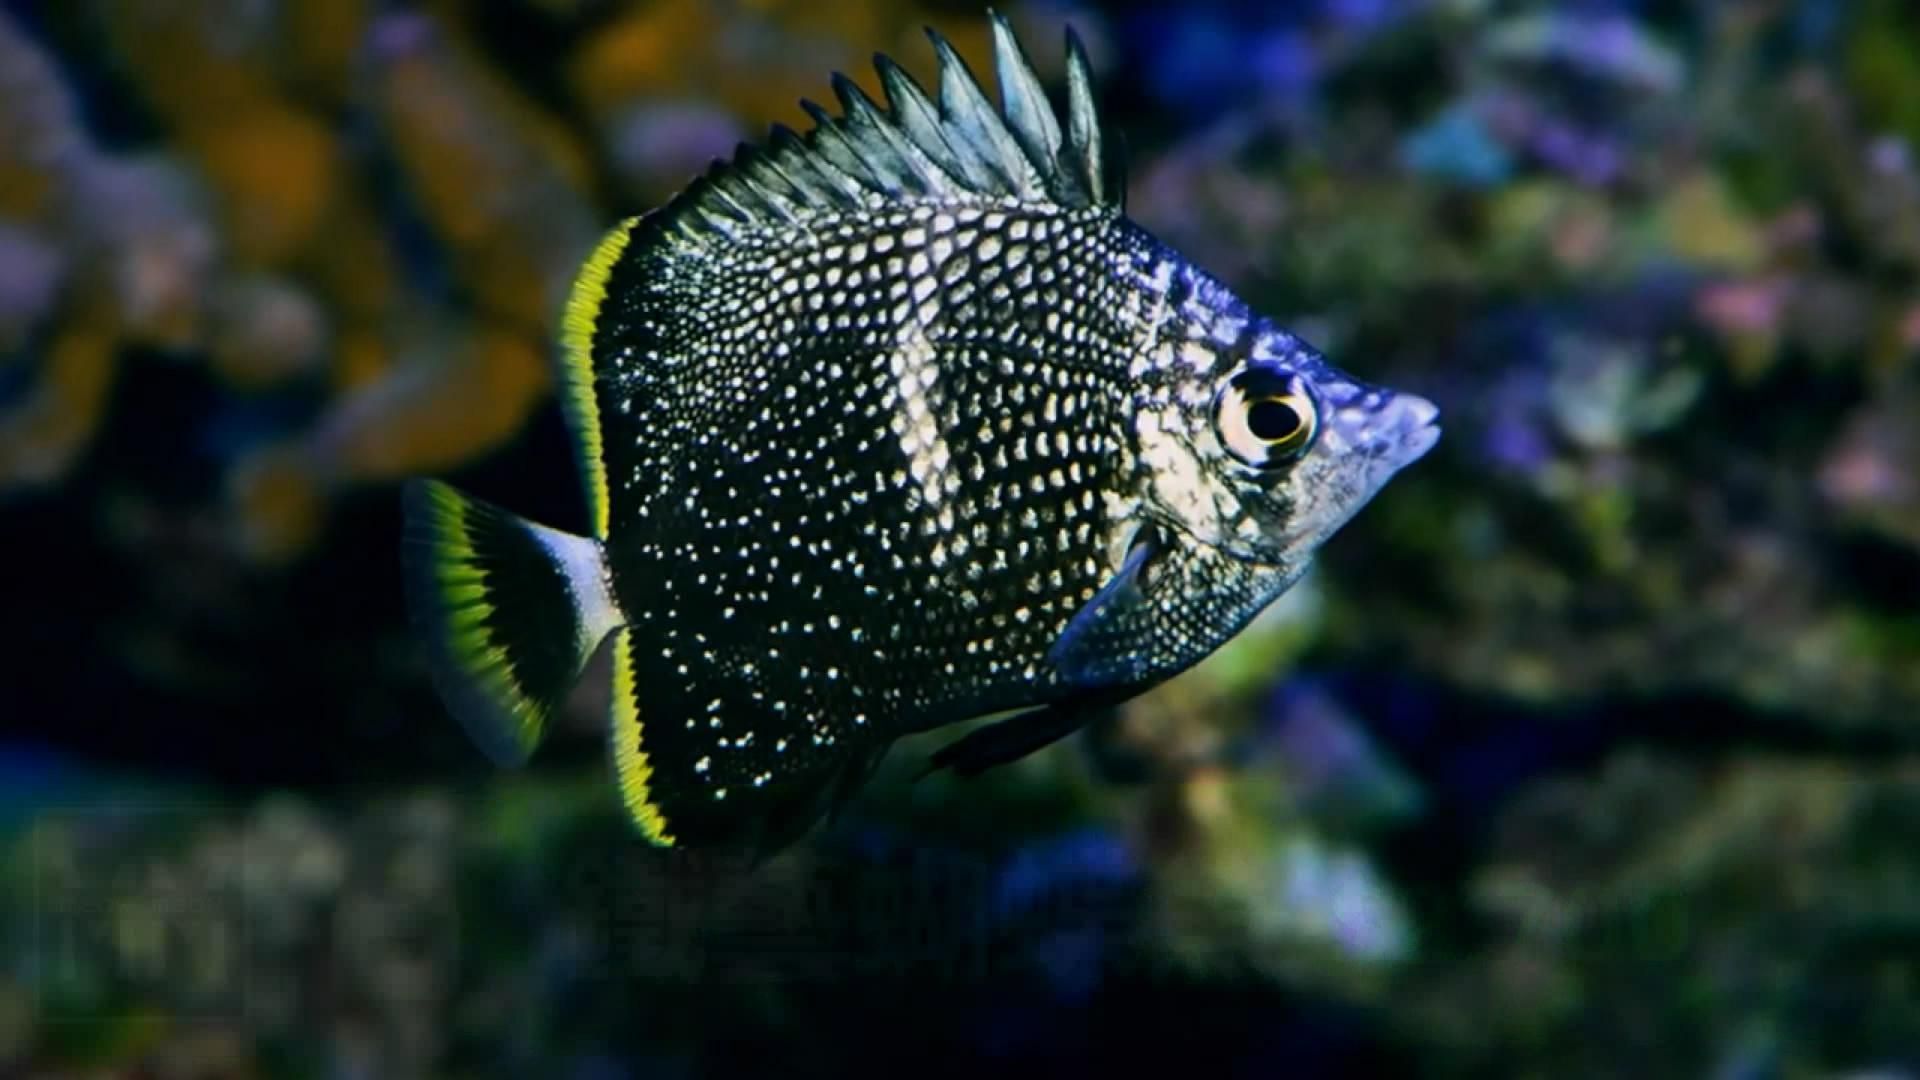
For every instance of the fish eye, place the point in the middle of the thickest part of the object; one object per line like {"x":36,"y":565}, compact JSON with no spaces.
{"x":1265,"y":419}
{"x":1274,"y":420}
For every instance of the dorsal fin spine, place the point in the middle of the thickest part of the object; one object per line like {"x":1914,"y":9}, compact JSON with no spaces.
{"x":915,"y":167}
{"x":1029,"y":114}
{"x":788,"y":159}
{"x":968,"y":114}
{"x":956,"y":146}
{"x":917,"y":118}
{"x":1083,"y":123}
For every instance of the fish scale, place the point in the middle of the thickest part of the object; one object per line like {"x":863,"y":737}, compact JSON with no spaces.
{"x":884,"y":427}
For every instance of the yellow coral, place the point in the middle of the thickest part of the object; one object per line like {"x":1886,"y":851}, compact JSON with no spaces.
{"x":698,"y":48}
{"x":501,"y":183}
{"x":41,"y":437}
{"x":276,"y":170}
{"x":192,"y":62}
{"x":38,"y":129}
{"x":319,"y":41}
{"x":278,"y":503}
{"x":433,"y":416}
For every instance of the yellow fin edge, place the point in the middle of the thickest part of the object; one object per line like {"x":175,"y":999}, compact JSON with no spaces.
{"x":577,"y":327}
{"x":629,"y":758}
{"x":466,"y":607}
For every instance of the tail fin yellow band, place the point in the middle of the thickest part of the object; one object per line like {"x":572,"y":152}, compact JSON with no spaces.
{"x":509,"y":612}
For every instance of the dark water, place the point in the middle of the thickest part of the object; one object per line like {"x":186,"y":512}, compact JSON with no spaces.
{"x":1589,"y":748}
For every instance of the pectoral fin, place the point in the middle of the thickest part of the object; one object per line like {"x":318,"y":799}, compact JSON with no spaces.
{"x":1097,"y":647}
{"x":1007,"y":740}
{"x":1022,"y":733}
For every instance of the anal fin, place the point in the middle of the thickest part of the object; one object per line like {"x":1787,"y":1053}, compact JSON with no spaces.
{"x":1015,"y":737}
{"x":704,"y":762}
{"x":1085,"y":654}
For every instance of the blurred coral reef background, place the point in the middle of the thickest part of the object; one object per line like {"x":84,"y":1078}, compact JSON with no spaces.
{"x":1591,"y":749}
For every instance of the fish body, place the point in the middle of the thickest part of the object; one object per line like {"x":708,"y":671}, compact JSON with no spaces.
{"x":885,"y":427}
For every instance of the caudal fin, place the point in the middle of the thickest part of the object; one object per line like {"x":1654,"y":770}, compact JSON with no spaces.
{"x":508,"y":611}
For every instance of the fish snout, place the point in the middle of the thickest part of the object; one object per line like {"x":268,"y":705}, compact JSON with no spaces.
{"x":1415,"y":423}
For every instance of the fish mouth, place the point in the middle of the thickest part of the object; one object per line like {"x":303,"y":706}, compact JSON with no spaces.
{"x":1415,"y":423}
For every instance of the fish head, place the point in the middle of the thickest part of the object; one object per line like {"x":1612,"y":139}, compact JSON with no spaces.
{"x":1277,"y":447}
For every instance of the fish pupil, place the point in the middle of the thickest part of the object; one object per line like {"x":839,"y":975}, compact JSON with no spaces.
{"x":1272,"y":420}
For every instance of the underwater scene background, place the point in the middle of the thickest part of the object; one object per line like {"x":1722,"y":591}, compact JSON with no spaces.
{"x":1590,"y":748}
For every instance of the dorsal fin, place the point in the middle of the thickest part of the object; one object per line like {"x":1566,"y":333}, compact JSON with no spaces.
{"x":1023,"y":99}
{"x":916,"y":149}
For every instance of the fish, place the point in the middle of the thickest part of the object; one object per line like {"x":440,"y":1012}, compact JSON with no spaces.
{"x":885,"y":427}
